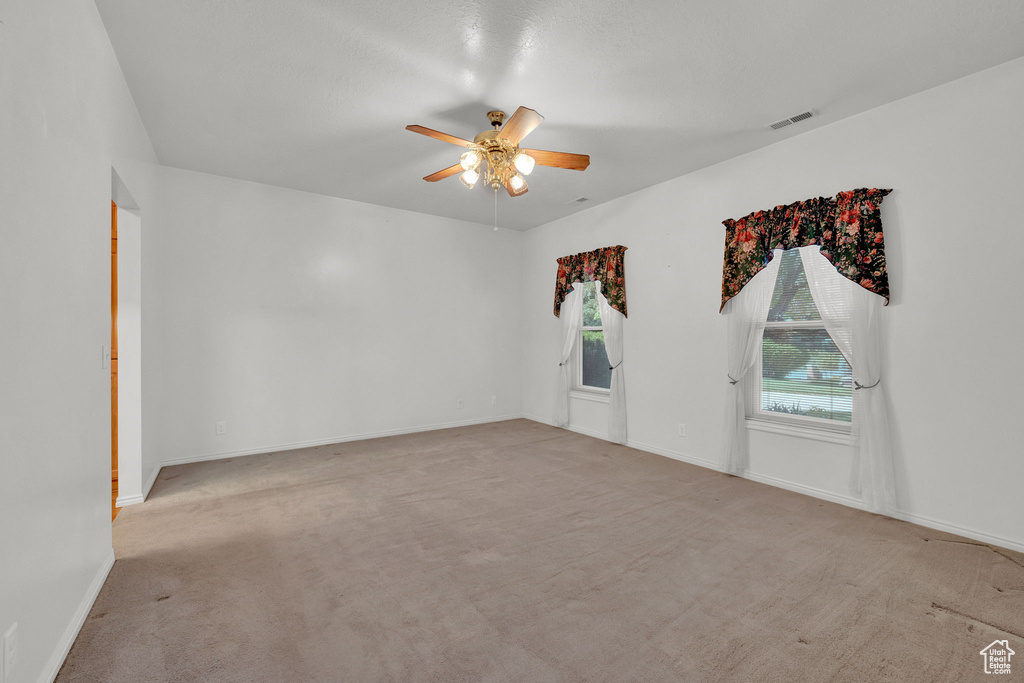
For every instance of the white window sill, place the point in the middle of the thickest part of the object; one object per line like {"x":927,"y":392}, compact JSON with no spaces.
{"x":804,"y":432}
{"x":587,"y":395}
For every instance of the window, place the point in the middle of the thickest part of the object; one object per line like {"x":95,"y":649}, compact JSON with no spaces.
{"x":804,"y":380}
{"x":593,"y":373}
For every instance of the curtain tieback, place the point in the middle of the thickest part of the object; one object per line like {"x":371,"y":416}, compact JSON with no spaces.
{"x":612,"y":367}
{"x":858,"y":385}
{"x":731,"y":380}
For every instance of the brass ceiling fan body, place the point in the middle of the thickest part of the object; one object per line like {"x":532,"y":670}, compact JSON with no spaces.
{"x":499,"y":149}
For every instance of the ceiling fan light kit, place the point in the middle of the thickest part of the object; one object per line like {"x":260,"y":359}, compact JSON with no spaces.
{"x":524,"y":163}
{"x":495,"y":154}
{"x":470,"y":160}
{"x":469,"y":178}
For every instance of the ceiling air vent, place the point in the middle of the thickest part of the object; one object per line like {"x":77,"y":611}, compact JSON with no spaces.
{"x":791,"y":120}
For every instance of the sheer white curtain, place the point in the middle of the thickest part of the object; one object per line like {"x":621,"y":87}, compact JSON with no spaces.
{"x":852,"y":316}
{"x":747,"y":312}
{"x":571,"y":315}
{"x":611,"y":320}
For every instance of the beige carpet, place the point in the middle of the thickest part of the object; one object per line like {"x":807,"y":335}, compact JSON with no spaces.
{"x":514,"y":551}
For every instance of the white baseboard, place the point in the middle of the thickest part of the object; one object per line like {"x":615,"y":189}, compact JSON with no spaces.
{"x":336,"y":439}
{"x":897,"y":514}
{"x":960,"y":531}
{"x":139,"y":497}
{"x":152,"y":480}
{"x":75,"y":625}
{"x":809,"y":491}
{"x":129,"y":500}
{"x":812,"y":491}
{"x":571,"y":428}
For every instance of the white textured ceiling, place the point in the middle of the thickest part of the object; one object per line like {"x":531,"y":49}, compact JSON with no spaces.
{"x":315,"y":94}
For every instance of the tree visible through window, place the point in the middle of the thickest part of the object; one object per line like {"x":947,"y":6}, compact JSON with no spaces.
{"x":803,"y":374}
{"x":594,"y":372}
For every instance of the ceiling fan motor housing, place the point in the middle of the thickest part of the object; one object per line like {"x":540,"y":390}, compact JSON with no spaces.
{"x":497,"y":117}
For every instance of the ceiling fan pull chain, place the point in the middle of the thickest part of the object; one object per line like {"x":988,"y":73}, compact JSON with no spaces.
{"x":495,"y":209}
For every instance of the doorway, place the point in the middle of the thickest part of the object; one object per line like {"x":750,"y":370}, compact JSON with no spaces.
{"x":113,"y":361}
{"x":126,"y":458}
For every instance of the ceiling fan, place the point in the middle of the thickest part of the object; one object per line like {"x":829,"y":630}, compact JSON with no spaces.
{"x":498,"y":150}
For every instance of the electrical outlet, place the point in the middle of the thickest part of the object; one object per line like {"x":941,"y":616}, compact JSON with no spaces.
{"x":10,"y":650}
{"x":222,"y":427}
{"x":682,"y":429}
{"x":494,"y":400}
{"x":460,"y":404}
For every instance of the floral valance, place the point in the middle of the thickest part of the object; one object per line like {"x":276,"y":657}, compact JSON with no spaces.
{"x":607,"y":265}
{"x":847,"y":228}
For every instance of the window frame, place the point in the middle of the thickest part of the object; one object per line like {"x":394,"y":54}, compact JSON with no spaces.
{"x":822,"y":429}
{"x":587,"y":391}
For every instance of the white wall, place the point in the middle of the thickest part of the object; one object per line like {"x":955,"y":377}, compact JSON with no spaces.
{"x":297,"y":318}
{"x":953,"y":157}
{"x":66,"y":118}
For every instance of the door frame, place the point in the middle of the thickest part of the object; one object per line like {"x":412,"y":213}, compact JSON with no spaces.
{"x":129,"y":343}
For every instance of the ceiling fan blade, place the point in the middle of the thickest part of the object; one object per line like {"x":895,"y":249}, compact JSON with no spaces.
{"x":573,"y":162}
{"x":516,"y":193}
{"x":522,"y":123}
{"x":441,"y":175}
{"x":431,"y":133}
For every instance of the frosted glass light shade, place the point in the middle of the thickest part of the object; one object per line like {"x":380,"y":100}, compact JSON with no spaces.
{"x":469,"y":178}
{"x":517,"y":182}
{"x":524,"y":163}
{"x":470,"y":160}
